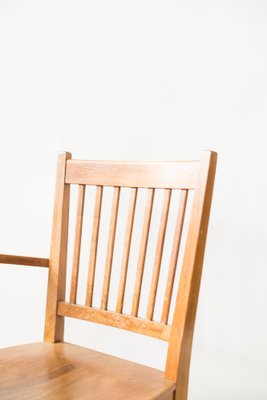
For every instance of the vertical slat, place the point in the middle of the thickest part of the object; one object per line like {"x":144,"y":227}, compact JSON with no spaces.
{"x":174,"y":256}
{"x":110,"y":248}
{"x":77,"y":245}
{"x":158,"y":255}
{"x":142,"y":252}
{"x":94,"y":243}
{"x":126,"y":249}
{"x":54,"y":324}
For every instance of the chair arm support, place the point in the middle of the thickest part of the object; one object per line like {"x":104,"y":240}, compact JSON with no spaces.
{"x":21,"y":260}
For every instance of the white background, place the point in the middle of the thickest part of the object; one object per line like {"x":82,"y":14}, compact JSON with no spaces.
{"x":142,"y":80}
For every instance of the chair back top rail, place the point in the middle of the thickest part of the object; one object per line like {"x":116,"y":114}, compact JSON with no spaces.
{"x":172,"y":175}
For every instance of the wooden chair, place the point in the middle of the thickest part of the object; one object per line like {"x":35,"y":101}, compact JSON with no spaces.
{"x":55,"y":369}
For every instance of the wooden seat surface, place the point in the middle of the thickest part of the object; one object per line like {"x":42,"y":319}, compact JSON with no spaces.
{"x":63,"y":371}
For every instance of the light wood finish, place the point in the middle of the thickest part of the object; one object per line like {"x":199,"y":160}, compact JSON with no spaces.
{"x":126,"y":252}
{"x":54,"y":324}
{"x":142,"y":252}
{"x":110,"y":249}
{"x":158,"y":256}
{"x":77,"y":244}
{"x":117,"y":320}
{"x":174,"y":256}
{"x":172,"y":175}
{"x":67,"y":372}
{"x":60,"y":371}
{"x":94,"y":243}
{"x":21,"y":260}
{"x":179,"y":351}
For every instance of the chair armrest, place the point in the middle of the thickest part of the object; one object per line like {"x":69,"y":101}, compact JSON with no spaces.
{"x":21,"y":260}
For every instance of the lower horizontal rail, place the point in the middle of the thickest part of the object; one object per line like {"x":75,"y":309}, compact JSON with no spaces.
{"x":117,"y":320}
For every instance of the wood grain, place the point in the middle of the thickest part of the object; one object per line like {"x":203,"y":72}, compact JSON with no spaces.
{"x":182,"y":175}
{"x":22,"y":260}
{"x":110,"y":249}
{"x":77,"y":244}
{"x":54,"y":324}
{"x":67,"y":372}
{"x":94,"y":243}
{"x":180,"y":346}
{"x":174,"y":256}
{"x":142,"y":252}
{"x":59,"y":371}
{"x":122,"y":321}
{"x":126,"y":249}
{"x":159,"y":252}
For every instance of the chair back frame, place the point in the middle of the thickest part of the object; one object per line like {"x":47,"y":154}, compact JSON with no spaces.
{"x":190,"y":175}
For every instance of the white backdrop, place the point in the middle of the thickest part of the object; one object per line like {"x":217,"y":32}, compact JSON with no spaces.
{"x":142,"y":80}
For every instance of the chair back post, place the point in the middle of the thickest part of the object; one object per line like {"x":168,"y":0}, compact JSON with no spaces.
{"x":180,"y":344}
{"x":54,"y":324}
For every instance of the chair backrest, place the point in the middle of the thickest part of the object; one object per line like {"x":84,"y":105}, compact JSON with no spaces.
{"x":196,"y":177}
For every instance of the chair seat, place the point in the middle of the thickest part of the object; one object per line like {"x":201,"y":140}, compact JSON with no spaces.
{"x":63,"y":371}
